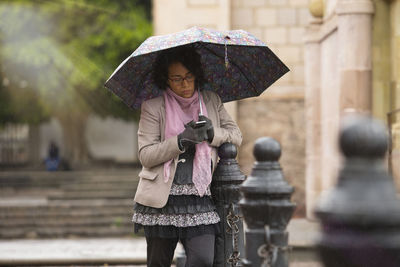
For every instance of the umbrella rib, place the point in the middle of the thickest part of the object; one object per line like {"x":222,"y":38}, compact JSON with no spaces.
{"x":250,"y":82}
{"x":142,"y":79}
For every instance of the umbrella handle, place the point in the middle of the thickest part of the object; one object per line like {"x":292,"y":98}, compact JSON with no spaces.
{"x":201,"y":106}
{"x":226,"y":39}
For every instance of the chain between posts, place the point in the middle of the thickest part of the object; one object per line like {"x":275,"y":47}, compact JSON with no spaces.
{"x":269,"y":251}
{"x":232,"y":219}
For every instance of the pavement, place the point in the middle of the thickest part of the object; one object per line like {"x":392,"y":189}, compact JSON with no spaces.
{"x":121,"y":251}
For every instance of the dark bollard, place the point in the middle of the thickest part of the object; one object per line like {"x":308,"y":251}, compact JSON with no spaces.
{"x":266,"y":208}
{"x":361,"y":216}
{"x":225,"y":191}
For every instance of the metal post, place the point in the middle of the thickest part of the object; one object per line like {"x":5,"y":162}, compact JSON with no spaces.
{"x":225,"y":191}
{"x":360,"y":217}
{"x":266,"y":207}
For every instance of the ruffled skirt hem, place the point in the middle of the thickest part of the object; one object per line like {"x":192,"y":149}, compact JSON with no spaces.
{"x":177,"y":220}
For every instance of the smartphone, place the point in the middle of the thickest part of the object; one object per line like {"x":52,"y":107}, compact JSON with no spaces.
{"x":199,"y":124}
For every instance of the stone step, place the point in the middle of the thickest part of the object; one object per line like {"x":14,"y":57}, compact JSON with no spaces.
{"x":64,"y":174}
{"x":9,"y":214}
{"x":114,"y":194}
{"x":73,"y":192}
{"x":44,"y":202}
{"x":27,"y":192}
{"x":65,"y":182}
{"x":42,"y":207}
{"x":100,"y":186}
{"x":66,"y":221}
{"x":64,"y":204}
{"x":101,"y":252}
{"x":35,"y":179}
{"x":99,"y":191}
{"x":69,"y":231}
{"x":52,"y":182}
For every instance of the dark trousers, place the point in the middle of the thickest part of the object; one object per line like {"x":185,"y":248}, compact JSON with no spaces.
{"x":199,"y":251}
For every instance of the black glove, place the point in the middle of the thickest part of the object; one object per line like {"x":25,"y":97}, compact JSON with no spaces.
{"x":191,"y":135}
{"x":209,"y":127}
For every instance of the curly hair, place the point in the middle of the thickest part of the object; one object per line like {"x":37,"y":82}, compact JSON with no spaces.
{"x":187,"y":56}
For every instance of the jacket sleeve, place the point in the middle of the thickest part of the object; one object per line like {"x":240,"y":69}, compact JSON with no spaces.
{"x":227,"y":131}
{"x":153,"y":151}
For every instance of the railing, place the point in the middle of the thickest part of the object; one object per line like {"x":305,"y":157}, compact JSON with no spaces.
{"x":393,"y":118}
{"x":14,"y":144}
{"x":265,"y":206}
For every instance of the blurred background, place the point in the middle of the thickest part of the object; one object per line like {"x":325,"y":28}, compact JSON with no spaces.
{"x":55,"y":56}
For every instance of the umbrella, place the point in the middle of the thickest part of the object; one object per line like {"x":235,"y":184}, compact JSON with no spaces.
{"x":236,"y":65}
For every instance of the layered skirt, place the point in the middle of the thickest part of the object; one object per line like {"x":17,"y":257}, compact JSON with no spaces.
{"x":185,"y":215}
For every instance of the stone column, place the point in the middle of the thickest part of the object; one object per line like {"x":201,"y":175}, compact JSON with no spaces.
{"x":312,"y":55}
{"x":355,"y":54}
{"x":395,"y":53}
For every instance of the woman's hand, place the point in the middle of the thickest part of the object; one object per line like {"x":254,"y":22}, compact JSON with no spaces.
{"x":192,"y":135}
{"x":209,"y":127}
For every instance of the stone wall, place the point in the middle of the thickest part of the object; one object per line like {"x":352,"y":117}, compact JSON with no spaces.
{"x":282,"y":119}
{"x":395,"y":88}
{"x":395,"y":44}
{"x":386,"y":72}
{"x":107,"y":139}
{"x":381,"y":75}
{"x":278,"y":112}
{"x":176,"y":15}
{"x":280,"y":24}
{"x":112,"y":139}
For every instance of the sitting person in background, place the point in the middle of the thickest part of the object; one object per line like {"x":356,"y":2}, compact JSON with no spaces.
{"x":53,"y":159}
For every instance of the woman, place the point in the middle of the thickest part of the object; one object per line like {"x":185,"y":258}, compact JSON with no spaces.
{"x":173,"y":199}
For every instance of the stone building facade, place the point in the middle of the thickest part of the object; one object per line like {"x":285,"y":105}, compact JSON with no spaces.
{"x":352,"y":64}
{"x":279,"y":112}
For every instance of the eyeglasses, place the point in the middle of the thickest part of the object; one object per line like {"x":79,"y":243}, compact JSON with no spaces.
{"x":179,"y":80}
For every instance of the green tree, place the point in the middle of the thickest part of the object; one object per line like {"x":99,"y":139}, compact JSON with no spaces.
{"x":62,"y":51}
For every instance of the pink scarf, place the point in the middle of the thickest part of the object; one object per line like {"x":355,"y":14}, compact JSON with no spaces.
{"x":179,"y":111}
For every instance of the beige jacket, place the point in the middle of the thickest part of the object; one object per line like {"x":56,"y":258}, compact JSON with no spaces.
{"x":154,"y":149}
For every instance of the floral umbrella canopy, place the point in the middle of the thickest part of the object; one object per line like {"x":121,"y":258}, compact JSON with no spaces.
{"x":236,"y":65}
